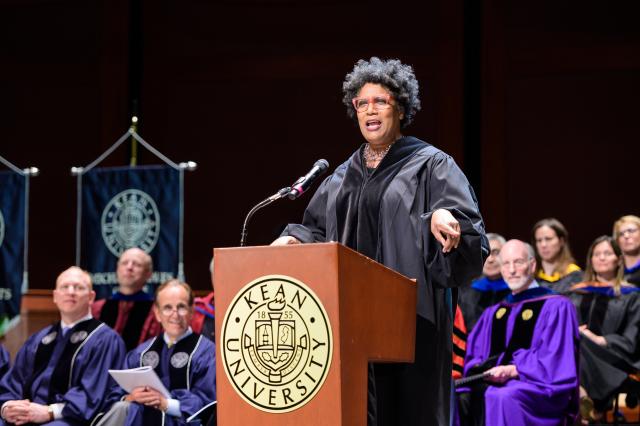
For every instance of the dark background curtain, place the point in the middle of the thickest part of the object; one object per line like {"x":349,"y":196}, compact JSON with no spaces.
{"x":537,"y":101}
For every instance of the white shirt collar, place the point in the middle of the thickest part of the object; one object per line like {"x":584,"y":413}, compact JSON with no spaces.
{"x":66,"y":326}
{"x":170,"y":343}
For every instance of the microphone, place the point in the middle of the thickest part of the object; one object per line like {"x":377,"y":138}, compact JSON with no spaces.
{"x":299,"y":187}
{"x":304,"y":182}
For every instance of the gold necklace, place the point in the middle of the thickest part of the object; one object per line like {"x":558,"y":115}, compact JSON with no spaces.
{"x":372,"y":156}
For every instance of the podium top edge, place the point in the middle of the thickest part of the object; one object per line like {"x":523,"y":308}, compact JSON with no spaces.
{"x":329,"y":246}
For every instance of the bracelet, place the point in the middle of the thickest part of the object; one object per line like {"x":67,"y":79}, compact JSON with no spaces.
{"x":50,"y":411}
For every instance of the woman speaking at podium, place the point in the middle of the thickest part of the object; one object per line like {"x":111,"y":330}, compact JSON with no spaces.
{"x":406,"y":204}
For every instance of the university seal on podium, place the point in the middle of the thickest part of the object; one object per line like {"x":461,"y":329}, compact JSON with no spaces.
{"x":277,"y":343}
{"x":130,"y":219}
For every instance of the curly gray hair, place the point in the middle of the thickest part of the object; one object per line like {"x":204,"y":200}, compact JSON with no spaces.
{"x":398,"y":78}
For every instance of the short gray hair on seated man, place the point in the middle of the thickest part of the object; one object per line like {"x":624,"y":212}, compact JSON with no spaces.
{"x":178,"y":283}
{"x":492,"y":236}
{"x":530,"y":251}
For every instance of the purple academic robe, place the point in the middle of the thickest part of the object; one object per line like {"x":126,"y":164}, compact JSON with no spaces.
{"x":89,"y":378}
{"x":545,"y":393}
{"x":202,"y":381}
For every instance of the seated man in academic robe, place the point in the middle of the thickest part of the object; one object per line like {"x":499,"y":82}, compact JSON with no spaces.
{"x":485,"y":291}
{"x":488,"y":289}
{"x":128,"y":311}
{"x":183,"y":360}
{"x":523,"y":353}
{"x":60,"y":374}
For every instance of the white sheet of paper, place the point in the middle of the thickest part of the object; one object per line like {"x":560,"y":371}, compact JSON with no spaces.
{"x":141,"y":376}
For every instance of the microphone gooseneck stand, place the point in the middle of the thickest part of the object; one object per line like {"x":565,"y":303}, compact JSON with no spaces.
{"x":280,"y":194}
{"x":293,"y":192}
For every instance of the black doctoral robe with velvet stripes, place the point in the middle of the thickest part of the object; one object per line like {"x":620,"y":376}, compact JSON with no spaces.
{"x":603,"y":369}
{"x":385,"y":213}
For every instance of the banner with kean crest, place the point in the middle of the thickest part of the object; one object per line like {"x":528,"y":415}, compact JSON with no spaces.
{"x":124,"y":207}
{"x":13,"y":208}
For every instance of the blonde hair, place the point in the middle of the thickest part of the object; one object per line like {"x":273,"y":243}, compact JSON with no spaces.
{"x":624,"y":219}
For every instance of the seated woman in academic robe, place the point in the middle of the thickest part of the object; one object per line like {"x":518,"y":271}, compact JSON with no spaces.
{"x":556,"y":266}
{"x":626,"y":231}
{"x":609,"y":316}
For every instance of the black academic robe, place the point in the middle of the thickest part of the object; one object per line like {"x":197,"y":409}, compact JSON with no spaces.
{"x":561,"y":283}
{"x":386,"y":215}
{"x":617,"y":319}
{"x":481,"y":294}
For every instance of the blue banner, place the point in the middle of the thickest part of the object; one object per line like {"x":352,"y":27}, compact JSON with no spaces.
{"x":126,"y":207}
{"x":12,"y":231}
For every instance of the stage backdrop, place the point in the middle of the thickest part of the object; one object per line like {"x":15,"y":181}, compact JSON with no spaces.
{"x":126,"y":207}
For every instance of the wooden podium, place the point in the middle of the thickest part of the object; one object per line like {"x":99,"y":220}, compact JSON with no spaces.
{"x":370,"y":309}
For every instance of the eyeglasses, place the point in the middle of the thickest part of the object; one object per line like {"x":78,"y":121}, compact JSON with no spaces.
{"x":77,"y":288}
{"x":379,"y":102}
{"x":182,"y":310}
{"x":629,"y":231}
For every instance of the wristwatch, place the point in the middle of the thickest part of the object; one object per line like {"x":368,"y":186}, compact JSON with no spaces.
{"x":50,"y":411}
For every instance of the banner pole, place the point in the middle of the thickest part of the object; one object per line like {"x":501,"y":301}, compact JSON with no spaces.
{"x":28,"y":172}
{"x":181,"y":228}
{"x":25,"y":254}
{"x":134,"y":143}
{"x":11,"y":166}
{"x":78,"y":172}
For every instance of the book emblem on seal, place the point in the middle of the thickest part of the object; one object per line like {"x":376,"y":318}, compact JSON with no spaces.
{"x":1,"y":228}
{"x":130,"y":219}
{"x":277,"y":343}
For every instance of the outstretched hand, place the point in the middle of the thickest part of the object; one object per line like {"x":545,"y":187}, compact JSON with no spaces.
{"x":446,"y":229}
